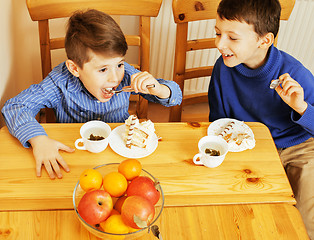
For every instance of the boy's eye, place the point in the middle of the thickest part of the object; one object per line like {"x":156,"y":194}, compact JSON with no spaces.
{"x":120,"y":65}
{"x":218,"y":34}
{"x":103,"y":70}
{"x":231,"y":38}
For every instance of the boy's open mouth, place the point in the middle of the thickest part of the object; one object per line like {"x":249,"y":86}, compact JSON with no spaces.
{"x":106,"y":92}
{"x":226,"y":55}
{"x":109,"y":90}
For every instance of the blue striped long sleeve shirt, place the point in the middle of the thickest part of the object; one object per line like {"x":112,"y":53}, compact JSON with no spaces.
{"x":72,"y":103}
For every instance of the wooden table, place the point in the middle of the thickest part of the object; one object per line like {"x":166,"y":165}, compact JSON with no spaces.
{"x":249,"y":194}
{"x":223,"y":222}
{"x":251,"y":176}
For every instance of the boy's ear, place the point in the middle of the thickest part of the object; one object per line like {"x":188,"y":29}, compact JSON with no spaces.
{"x":267,"y":40}
{"x":72,"y":67}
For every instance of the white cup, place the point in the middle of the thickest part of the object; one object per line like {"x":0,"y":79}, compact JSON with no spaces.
{"x":97,"y":128}
{"x":211,"y":142}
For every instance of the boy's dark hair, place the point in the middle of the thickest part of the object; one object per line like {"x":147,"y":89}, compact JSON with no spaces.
{"x":93,"y":30}
{"x":264,"y":15}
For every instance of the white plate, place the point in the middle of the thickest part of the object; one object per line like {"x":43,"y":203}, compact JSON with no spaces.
{"x":216,"y":127}
{"x":117,"y":144}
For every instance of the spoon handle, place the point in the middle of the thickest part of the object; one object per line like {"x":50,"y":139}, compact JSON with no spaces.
{"x":129,"y":89}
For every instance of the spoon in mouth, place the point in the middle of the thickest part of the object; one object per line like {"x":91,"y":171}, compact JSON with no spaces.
{"x":126,"y":89}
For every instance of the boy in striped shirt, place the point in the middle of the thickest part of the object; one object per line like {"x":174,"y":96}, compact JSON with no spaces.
{"x":77,"y":89}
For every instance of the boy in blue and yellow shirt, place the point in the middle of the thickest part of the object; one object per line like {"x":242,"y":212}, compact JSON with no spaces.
{"x":240,"y":89}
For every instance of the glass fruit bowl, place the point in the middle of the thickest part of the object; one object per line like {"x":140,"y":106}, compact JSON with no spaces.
{"x":96,"y":229}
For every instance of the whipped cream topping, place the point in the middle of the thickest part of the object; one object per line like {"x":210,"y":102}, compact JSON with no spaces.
{"x":236,"y":133}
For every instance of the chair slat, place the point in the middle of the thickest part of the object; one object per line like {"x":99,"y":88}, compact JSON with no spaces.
{"x":194,"y":98}
{"x":49,"y":9}
{"x":145,"y":42}
{"x":187,"y":11}
{"x":133,"y":40}
{"x":198,"y":72}
{"x":43,"y":28}
{"x":286,"y":8}
{"x":56,"y":43}
{"x":199,"y":44}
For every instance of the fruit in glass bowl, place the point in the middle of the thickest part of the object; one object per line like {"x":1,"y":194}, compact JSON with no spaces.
{"x":143,"y":223}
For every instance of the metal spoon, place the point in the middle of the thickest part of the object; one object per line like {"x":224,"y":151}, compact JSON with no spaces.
{"x":127,"y":89}
{"x":275,"y":83}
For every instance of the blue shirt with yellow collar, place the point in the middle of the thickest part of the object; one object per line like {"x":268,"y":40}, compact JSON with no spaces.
{"x":244,"y":94}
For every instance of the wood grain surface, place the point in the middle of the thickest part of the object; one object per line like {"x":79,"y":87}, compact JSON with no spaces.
{"x":251,"y":176}
{"x":245,"y":222}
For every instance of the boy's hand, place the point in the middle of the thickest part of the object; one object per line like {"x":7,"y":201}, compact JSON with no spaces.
{"x":140,"y":80}
{"x":292,"y":93}
{"x":46,"y":151}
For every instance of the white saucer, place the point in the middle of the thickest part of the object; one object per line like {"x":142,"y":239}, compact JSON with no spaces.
{"x":117,"y":144}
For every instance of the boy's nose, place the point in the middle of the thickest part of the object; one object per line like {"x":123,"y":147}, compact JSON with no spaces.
{"x":220,"y":43}
{"x":113,"y":77}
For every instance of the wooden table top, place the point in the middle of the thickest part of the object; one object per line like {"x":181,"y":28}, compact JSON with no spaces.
{"x":244,"y":221}
{"x":251,"y":176}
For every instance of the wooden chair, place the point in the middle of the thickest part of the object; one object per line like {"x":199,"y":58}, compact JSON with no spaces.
{"x":189,"y":11}
{"x":45,"y":10}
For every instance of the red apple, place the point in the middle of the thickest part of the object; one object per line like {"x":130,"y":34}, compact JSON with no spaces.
{"x":137,"y":212}
{"x":119,"y":203}
{"x":145,"y":187}
{"x":95,"y":206}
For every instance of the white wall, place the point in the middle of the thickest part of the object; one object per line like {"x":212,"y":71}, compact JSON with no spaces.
{"x":5,"y":44}
{"x":5,"y":49}
{"x":19,"y":53}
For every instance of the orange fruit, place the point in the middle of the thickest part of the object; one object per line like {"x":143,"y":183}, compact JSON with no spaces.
{"x":114,"y":224}
{"x":132,"y":229}
{"x":115,"y":184}
{"x":130,"y":168}
{"x":90,"y":179}
{"x":119,"y":203}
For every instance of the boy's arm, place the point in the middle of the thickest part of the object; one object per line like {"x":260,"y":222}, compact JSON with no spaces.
{"x":19,"y":115}
{"x":19,"y":112}
{"x":140,"y":80}
{"x":293,"y":94}
{"x":166,"y":92}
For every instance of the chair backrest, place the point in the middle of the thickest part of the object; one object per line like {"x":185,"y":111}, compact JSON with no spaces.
{"x":45,"y":10}
{"x":189,"y":11}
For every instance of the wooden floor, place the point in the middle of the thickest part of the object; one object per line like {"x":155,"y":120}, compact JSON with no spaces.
{"x":191,"y":113}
